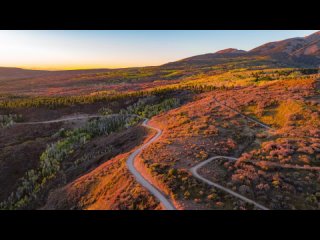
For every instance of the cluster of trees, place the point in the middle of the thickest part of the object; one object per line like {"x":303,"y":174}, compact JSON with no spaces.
{"x":59,"y":101}
{"x":56,"y":153}
{"x":143,"y":109}
{"x":282,"y":74}
{"x":54,"y":102}
{"x":138,"y":74}
{"x":258,"y":77}
{"x":8,"y":120}
{"x":308,"y":71}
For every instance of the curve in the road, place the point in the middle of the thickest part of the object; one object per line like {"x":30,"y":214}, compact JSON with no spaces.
{"x":165,"y":202}
{"x":194,"y":172}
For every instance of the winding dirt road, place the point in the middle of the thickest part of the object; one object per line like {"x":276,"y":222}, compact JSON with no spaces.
{"x":165,"y":202}
{"x":163,"y":199}
{"x":194,"y":171}
{"x":60,"y":120}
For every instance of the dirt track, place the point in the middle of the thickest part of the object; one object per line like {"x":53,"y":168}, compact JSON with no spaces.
{"x":194,"y":171}
{"x":165,"y":202}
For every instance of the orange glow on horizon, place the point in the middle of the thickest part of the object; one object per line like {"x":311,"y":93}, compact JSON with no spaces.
{"x":74,"y":67}
{"x":68,"y":50}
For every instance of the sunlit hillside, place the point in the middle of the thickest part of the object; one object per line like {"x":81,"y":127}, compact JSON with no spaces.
{"x":236,"y":130}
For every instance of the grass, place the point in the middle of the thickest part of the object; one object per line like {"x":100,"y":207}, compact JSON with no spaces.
{"x":278,"y":115}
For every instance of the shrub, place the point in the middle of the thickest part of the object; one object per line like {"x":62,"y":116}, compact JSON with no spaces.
{"x":172,"y":172}
{"x":186,"y":195}
{"x":105,"y":111}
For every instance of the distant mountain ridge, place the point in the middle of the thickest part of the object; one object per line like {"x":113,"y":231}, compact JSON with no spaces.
{"x":291,"y":46}
{"x":293,"y":52}
{"x":230,"y":50}
{"x":301,"y":52}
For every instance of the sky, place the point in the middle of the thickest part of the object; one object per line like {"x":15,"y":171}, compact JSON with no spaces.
{"x":71,"y":49}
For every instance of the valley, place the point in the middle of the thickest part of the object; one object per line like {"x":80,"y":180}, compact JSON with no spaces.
{"x":231,"y":130}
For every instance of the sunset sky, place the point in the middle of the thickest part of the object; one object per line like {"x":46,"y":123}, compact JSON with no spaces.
{"x":115,"y":49}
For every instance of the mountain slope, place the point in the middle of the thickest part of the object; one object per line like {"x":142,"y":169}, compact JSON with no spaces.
{"x":290,"y":46}
{"x":293,"y":52}
{"x":286,"y":46}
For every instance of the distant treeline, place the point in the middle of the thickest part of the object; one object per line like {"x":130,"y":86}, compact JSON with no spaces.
{"x":308,"y":71}
{"x":54,"y":102}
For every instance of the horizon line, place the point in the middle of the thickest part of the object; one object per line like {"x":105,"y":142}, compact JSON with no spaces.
{"x":76,"y":68}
